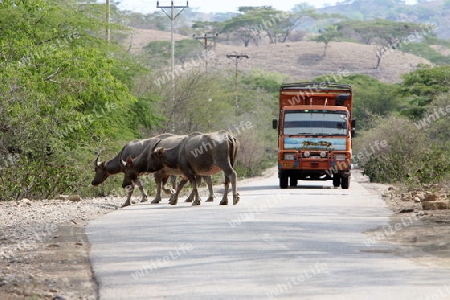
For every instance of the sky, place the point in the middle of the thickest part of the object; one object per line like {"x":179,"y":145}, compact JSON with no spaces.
{"x":145,"y":6}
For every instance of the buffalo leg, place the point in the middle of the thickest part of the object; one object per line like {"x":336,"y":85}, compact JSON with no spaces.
{"x":193,"y":181}
{"x":174,"y":198}
{"x":191,"y":196}
{"x":173,"y":180}
{"x":141,"y":188}
{"x":158,"y":181}
{"x":224,"y":200}
{"x":230,"y":176}
{"x":208,"y":180}
{"x":130,"y":189}
{"x":236,"y":197}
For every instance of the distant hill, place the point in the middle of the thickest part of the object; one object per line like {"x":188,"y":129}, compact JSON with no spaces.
{"x":423,"y":12}
{"x":301,"y":60}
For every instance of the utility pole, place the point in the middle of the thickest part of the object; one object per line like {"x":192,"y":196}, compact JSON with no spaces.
{"x":172,"y":16}
{"x":237,"y":57}
{"x":108,"y":30}
{"x":206,"y":46}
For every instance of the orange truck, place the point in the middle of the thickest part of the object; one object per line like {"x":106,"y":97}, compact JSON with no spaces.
{"x":315,"y":130}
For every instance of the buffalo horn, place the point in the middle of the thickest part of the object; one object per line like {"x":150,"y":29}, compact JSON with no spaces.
{"x":123,"y":163}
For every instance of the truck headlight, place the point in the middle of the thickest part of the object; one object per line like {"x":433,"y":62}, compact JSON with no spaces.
{"x":289,"y":156}
{"x":306,"y":154}
{"x":323,"y":154}
{"x":340,"y":157}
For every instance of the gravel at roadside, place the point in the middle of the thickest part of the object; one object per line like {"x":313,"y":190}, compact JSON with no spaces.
{"x":43,"y":250}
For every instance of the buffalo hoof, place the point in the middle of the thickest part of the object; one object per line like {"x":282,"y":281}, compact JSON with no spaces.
{"x":196,"y":202}
{"x":144,"y":199}
{"x":125,"y":205}
{"x":224,"y":202}
{"x":189,"y":199}
{"x":172,"y":202}
{"x":236,"y":199}
{"x":210,"y":199}
{"x":155,"y":201}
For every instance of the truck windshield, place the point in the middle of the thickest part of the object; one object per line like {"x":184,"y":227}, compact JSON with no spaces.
{"x":315,"y":123}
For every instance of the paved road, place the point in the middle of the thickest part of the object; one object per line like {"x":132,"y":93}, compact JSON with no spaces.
{"x":302,"y":243}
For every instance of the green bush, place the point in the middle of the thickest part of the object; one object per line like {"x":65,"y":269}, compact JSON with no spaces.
{"x":411,"y":156}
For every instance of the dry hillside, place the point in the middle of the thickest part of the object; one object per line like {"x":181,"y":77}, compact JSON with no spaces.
{"x":302,"y":60}
{"x":139,"y":38}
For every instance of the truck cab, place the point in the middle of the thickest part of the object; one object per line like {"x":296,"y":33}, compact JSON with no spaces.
{"x":315,"y":129}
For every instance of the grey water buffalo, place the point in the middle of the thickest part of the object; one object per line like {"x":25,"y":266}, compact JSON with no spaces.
{"x":132,"y":149}
{"x":196,"y":155}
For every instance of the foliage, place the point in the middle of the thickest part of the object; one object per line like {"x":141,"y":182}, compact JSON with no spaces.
{"x":410,"y":158}
{"x":422,"y":86}
{"x":398,"y":161}
{"x":383,"y":34}
{"x":64,"y":89}
{"x":424,"y":49}
{"x":244,"y":26}
{"x":381,"y":31}
{"x":208,"y":26}
{"x":418,"y":151}
{"x":256,"y":23}
{"x":421,"y":13}
{"x":327,"y":35}
{"x":156,"y":20}
{"x":258,"y":105}
{"x":439,"y":129}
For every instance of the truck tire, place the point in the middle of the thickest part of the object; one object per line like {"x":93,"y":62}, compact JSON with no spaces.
{"x":293,"y":181}
{"x":336,"y":180}
{"x":345,"y":184}
{"x":284,"y":181}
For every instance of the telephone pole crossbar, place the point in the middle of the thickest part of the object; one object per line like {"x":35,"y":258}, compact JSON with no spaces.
{"x":206,"y":45}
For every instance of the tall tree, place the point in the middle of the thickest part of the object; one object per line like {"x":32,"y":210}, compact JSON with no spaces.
{"x":63,"y":88}
{"x":254,"y":23}
{"x":327,"y":35}
{"x":244,"y":26}
{"x":384,"y":35}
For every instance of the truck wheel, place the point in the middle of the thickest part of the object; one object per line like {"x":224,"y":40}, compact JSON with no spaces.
{"x":293,"y":182}
{"x":345,"y":183}
{"x":336,"y":180}
{"x":284,"y":181}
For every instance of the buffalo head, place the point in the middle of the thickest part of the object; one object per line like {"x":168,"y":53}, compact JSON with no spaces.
{"x":100,"y":172}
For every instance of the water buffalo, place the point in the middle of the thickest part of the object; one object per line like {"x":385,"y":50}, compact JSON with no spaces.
{"x":196,"y":155}
{"x":132,"y":149}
